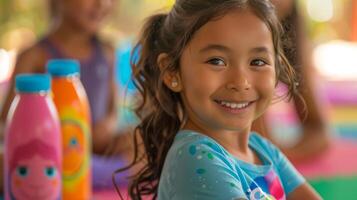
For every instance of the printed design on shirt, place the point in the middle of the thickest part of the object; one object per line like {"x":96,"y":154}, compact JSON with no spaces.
{"x":266,"y":187}
{"x":269,"y":187}
{"x":196,"y":150}
{"x":199,"y":152}
{"x":258,"y":194}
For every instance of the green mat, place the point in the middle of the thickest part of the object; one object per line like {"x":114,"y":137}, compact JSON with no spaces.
{"x":336,"y":188}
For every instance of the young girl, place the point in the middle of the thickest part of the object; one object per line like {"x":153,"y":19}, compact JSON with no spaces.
{"x":207,"y":70}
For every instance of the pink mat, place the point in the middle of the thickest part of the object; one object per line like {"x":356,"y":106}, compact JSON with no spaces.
{"x":111,"y":194}
{"x":105,"y":194}
{"x":338,"y":160}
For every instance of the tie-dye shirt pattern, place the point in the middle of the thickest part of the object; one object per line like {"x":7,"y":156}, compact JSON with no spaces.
{"x":197,"y":167}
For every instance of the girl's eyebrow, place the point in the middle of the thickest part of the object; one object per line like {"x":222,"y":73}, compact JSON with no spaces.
{"x":261,"y":49}
{"x":218,"y":47}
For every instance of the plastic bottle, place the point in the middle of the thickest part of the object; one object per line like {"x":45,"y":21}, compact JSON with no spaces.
{"x":72,"y":104}
{"x":32,"y":153}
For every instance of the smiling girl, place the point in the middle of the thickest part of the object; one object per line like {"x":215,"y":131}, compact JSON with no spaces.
{"x":207,"y":70}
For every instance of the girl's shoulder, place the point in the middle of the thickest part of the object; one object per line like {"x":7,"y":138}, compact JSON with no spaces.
{"x":195,"y":165}
{"x":192,"y":142}
{"x":193,"y":153}
{"x":193,"y":147}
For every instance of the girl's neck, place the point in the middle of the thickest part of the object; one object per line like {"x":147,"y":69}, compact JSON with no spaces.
{"x":67,"y":33}
{"x":235,"y":142}
{"x":72,"y":41}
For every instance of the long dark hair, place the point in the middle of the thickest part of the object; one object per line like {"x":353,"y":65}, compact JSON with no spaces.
{"x":292,"y":42}
{"x":292,"y":29}
{"x":160,"y":109}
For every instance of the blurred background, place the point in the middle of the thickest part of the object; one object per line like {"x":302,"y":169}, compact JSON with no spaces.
{"x":331,"y":26}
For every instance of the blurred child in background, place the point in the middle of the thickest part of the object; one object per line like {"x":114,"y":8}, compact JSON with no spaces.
{"x":296,"y":45}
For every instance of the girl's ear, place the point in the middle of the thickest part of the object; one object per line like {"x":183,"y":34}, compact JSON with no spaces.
{"x":171,"y":79}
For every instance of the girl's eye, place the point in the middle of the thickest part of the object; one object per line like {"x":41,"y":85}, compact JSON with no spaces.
{"x":50,"y":172}
{"x":216,"y":61}
{"x":22,"y":171}
{"x":258,"y":62}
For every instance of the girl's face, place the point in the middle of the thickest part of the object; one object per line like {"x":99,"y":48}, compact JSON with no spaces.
{"x":227,"y":73}
{"x":35,"y":178}
{"x":86,"y":14}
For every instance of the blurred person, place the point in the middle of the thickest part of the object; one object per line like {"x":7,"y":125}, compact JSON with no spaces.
{"x":315,"y":136}
{"x":73,"y":33}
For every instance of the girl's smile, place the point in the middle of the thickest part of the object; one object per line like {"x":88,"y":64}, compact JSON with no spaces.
{"x":234,"y":107}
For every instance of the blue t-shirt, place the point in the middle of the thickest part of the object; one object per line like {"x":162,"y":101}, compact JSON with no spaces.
{"x":197,"y":167}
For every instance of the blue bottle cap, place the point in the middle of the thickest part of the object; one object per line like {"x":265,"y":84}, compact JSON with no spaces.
{"x":63,"y":67}
{"x":32,"y":83}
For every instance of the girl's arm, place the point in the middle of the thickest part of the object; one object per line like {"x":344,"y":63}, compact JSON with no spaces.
{"x":304,"y":191}
{"x":294,"y":183}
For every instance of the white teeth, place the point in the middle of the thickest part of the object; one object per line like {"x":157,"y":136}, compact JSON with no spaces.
{"x":234,"y":105}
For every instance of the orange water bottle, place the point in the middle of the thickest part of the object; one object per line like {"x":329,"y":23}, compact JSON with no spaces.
{"x":72,"y":104}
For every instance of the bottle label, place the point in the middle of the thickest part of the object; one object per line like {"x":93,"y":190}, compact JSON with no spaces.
{"x":76,"y":156}
{"x":35,"y":172}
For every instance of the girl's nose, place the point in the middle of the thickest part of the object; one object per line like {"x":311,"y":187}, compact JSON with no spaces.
{"x":238,"y":82}
{"x":239,"y":87}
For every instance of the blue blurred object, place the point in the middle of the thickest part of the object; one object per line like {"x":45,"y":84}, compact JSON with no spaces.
{"x":124,"y":71}
{"x":33,"y":83}
{"x":127,"y":90}
{"x":63,"y":67}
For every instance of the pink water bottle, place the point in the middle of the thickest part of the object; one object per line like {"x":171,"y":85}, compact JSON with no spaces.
{"x":32,"y":154}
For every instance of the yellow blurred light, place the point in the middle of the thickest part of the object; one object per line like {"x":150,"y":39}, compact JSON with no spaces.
{"x":320,"y":10}
{"x":336,"y":60}
{"x":167,"y":4}
{"x":19,"y":38}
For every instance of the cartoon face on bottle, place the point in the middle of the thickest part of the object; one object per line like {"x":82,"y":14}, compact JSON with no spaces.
{"x":34,"y":172}
{"x":73,"y":149}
